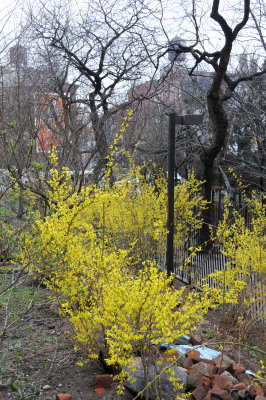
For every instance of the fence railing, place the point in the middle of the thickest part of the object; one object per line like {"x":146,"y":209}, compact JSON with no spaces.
{"x":204,"y":263}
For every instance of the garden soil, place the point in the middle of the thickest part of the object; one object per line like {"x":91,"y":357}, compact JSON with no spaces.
{"x":37,"y":359}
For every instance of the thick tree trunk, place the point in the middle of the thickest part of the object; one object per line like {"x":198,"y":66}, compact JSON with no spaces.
{"x":262,"y":167}
{"x":98,"y":126}
{"x":219,"y":127}
{"x":207,"y":214}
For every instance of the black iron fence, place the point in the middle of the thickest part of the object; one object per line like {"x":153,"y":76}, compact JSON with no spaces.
{"x":196,"y":268}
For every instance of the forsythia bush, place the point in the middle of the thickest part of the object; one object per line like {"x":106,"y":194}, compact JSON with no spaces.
{"x":132,"y":211}
{"x":245,"y":246}
{"x":86,"y":250}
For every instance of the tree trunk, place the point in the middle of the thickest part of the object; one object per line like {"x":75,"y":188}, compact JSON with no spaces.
{"x":219,"y":127}
{"x":99,"y":129}
{"x":207,"y":214}
{"x":20,"y":207}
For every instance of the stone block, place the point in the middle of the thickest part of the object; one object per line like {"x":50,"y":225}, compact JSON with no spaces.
{"x":194,"y":379}
{"x":242,"y":393}
{"x":187,"y":362}
{"x":205,"y":369}
{"x":5,"y":384}
{"x":167,"y":387}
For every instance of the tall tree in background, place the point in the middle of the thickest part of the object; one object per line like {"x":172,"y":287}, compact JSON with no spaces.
{"x":245,"y":149}
{"x":35,"y":115}
{"x":108,"y":46}
{"x":224,"y":81}
{"x":177,"y":92}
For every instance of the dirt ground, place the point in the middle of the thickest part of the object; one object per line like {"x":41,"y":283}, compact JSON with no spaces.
{"x":37,"y":359}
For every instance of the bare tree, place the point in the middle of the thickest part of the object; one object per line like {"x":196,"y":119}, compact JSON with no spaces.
{"x":174,"y":91}
{"x":108,"y":46}
{"x":234,"y":25}
{"x":245,"y":150}
{"x":37,"y":112}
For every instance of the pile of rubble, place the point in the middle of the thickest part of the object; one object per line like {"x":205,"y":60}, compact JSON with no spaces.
{"x":219,"y":378}
{"x":205,"y":374}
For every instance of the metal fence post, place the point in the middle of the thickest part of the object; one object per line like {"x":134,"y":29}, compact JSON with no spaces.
{"x":189,"y":119}
{"x":171,"y":200}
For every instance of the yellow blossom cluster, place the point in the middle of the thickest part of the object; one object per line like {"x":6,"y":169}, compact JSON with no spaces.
{"x":87,"y":250}
{"x":245,"y":246}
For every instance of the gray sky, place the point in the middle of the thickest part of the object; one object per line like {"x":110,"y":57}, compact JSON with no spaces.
{"x":176,"y":21}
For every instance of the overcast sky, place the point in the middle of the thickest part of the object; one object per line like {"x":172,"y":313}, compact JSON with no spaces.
{"x":176,"y":21}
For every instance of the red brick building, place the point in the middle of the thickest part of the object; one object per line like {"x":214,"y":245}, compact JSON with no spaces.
{"x":49,"y":119}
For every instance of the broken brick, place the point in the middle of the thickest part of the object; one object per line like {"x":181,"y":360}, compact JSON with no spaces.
{"x":221,"y":364}
{"x":220,"y":393}
{"x":193,"y":354}
{"x":64,"y":396}
{"x":199,"y":393}
{"x":221,"y":381}
{"x":242,"y":377}
{"x":195,"y":340}
{"x":205,"y":369}
{"x":206,"y":381}
{"x":255,"y":390}
{"x":240,"y":386}
{"x":102,"y":381}
{"x":236,"y":368}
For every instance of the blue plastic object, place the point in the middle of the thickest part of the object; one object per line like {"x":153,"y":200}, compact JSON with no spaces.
{"x":205,"y":352}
